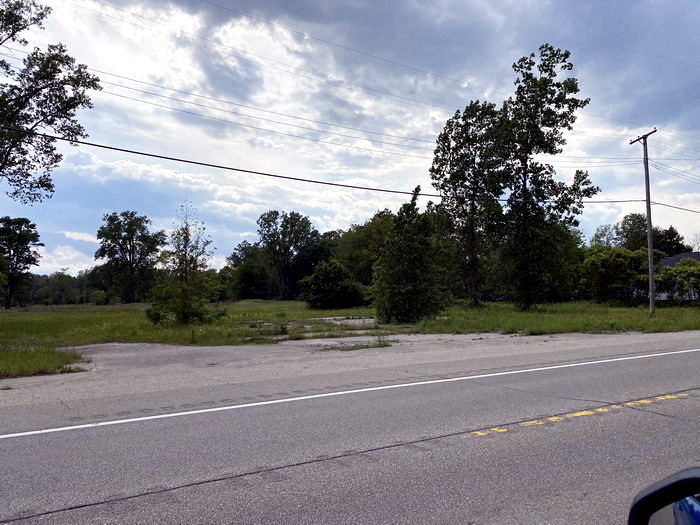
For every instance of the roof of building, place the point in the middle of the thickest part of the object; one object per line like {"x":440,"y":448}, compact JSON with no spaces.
{"x":675,"y":259}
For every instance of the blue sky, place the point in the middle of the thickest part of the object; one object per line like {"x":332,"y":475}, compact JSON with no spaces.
{"x":265,"y":59}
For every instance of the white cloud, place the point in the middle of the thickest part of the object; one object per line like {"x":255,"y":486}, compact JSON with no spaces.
{"x":64,"y":258}
{"x":81,"y":236}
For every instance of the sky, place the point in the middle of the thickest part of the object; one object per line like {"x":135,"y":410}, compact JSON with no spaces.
{"x":352,"y":92}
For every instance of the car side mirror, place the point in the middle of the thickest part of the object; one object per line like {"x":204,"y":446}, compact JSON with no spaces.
{"x":671,"y":500}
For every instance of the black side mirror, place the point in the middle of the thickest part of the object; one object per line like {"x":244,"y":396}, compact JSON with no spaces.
{"x":671,"y":491}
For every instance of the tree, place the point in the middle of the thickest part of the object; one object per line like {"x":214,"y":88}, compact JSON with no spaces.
{"x":331,"y":286}
{"x":284,"y":235}
{"x":184,"y":290}
{"x":18,"y":242}
{"x":131,"y":250}
{"x":467,"y":171}
{"x":681,"y":282}
{"x":617,"y":274}
{"x":4,"y":271}
{"x":535,"y":118}
{"x":632,"y":231}
{"x":252,"y":276}
{"x":605,"y":235}
{"x":42,"y":95}
{"x":359,"y":248}
{"x":695,"y":241}
{"x":670,"y":241}
{"x":408,"y":285}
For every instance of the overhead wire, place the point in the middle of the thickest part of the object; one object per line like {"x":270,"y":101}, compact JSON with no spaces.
{"x":260,"y":173}
{"x":238,"y":104}
{"x":461,"y":83}
{"x":306,"y":128}
{"x":267,"y":130}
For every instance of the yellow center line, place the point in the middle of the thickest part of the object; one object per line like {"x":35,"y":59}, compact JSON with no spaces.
{"x":581,"y":413}
{"x":531,"y":423}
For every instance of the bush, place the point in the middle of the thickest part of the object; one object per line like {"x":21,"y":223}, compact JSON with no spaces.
{"x":331,"y":286}
{"x":98,"y":297}
{"x":681,"y":282}
{"x":182,"y":304}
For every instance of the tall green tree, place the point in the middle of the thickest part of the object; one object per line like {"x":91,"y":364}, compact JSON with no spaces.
{"x":44,"y":94}
{"x":185,"y":288}
{"x":543,"y":107}
{"x":251,"y":274}
{"x":359,"y":248}
{"x":19,"y":241}
{"x":408,"y":281}
{"x":632,"y":231}
{"x":284,"y":235}
{"x":467,"y":170}
{"x":131,"y":250}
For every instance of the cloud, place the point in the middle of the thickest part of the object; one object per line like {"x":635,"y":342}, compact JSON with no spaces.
{"x":63,"y":258}
{"x":80,"y":236}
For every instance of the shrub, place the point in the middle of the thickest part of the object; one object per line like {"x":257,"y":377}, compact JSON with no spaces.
{"x":98,"y":297}
{"x":331,"y":286}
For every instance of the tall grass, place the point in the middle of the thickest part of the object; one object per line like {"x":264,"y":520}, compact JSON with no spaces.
{"x":560,"y":318}
{"x":247,"y":322}
{"x":16,"y":362}
{"x":272,"y":321}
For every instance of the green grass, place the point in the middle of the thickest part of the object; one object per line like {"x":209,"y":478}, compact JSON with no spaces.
{"x":247,"y":322}
{"x":17,"y":362}
{"x":560,"y":318}
{"x":273,"y":321}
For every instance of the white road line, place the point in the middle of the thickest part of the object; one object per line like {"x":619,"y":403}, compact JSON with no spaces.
{"x":339,"y":393}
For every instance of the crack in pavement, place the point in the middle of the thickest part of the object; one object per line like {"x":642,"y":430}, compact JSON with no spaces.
{"x":545,"y":394}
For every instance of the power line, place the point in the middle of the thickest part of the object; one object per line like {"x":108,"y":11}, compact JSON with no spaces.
{"x":238,"y":104}
{"x":688,"y":178}
{"x":267,"y":130}
{"x":371,"y":150}
{"x":675,"y":207}
{"x":266,"y":119}
{"x":562,"y":163}
{"x":261,"y":173}
{"x":327,"y":79}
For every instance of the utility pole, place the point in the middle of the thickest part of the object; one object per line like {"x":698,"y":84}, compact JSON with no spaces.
{"x":650,"y":232}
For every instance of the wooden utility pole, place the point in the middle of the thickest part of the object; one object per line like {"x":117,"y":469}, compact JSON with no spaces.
{"x":650,"y":232}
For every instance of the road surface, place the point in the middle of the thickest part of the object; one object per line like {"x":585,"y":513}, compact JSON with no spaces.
{"x":450,"y":429}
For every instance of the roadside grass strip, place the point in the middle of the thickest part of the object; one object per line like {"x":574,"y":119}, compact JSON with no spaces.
{"x":30,"y":361}
{"x":600,"y":411}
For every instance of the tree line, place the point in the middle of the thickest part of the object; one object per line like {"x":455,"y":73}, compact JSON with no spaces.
{"x":389,"y":260}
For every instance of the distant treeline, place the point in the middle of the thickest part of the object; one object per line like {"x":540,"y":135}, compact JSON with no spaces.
{"x":292,"y":260}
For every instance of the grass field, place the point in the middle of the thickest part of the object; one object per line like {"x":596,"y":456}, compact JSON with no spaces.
{"x":16,"y":362}
{"x":247,"y":322}
{"x":272,"y":321}
{"x":561,"y":318}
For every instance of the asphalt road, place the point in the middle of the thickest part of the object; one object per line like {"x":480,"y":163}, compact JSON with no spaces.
{"x":478,"y":429}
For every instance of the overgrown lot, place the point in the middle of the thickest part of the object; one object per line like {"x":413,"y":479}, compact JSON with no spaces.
{"x":246,"y":322}
{"x":272,"y":321}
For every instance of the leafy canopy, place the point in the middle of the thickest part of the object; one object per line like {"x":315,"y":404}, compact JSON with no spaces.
{"x":43,"y":94}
